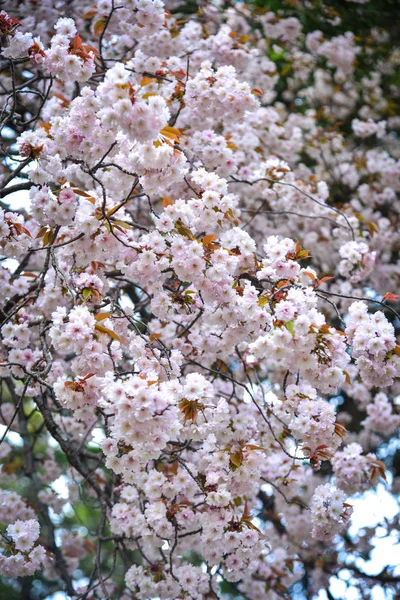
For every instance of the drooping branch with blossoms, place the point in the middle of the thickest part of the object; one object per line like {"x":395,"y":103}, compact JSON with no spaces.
{"x":199,"y":264}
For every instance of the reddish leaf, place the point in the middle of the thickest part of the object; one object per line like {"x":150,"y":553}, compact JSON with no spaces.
{"x":208,"y":239}
{"x":99,"y":26}
{"x":107,"y":331}
{"x":102,"y":316}
{"x":389,"y":296}
{"x":167,"y":202}
{"x":88,"y":48}
{"x":41,"y":233}
{"x":348,"y":380}
{"x":323,"y":280}
{"x":90,"y":14}
{"x":115,"y":209}
{"x":46,"y":126}
{"x":310,"y":275}
{"x":146,"y":80}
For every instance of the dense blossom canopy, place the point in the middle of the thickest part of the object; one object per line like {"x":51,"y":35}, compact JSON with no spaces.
{"x":199,"y":239}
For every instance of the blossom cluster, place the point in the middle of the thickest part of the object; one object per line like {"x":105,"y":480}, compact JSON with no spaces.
{"x":20,"y":556}
{"x":374,"y":344}
{"x":355,"y":472}
{"x":329,"y":511}
{"x":192,"y":349}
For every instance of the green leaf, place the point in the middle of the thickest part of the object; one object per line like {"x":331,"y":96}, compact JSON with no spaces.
{"x":290,"y":327}
{"x":87,"y":293}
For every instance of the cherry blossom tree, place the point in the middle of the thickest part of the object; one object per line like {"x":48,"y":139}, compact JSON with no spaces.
{"x":199,"y":259}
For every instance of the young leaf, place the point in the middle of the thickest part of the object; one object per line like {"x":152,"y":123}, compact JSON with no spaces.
{"x":107,"y":331}
{"x":208,"y":239}
{"x":102,"y":316}
{"x":167,"y":202}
